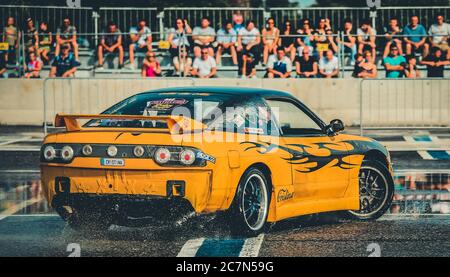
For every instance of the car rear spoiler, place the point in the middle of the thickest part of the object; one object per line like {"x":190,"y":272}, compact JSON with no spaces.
{"x":175,"y":124}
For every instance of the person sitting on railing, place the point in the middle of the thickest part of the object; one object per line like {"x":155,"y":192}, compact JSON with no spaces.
{"x":287,"y":39}
{"x":182,"y":63}
{"x":306,"y":40}
{"x":415,"y":37}
{"x":64,"y":65}
{"x":67,"y":35}
{"x":150,"y":66}
{"x":440,"y":33}
{"x":31,"y":35}
{"x":366,"y":38}
{"x":306,"y":66}
{"x":391,"y":35}
{"x":178,"y":38}
{"x":11,"y":36}
{"x":226,"y":41}
{"x":364,"y":66}
{"x":435,"y":63}
{"x":329,"y":65}
{"x":33,"y":66}
{"x":248,"y":66}
{"x":110,"y":42}
{"x":45,"y":42}
{"x":394,"y":63}
{"x":270,"y":37}
{"x":204,"y":67}
{"x":349,"y":40}
{"x":249,"y":39}
{"x":203,"y":37}
{"x":321,"y":37}
{"x":279,"y":66}
{"x":411,"y":70}
{"x":141,"y":40}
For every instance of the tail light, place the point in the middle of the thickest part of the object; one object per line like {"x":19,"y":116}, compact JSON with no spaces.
{"x":138,"y":151}
{"x":49,"y":153}
{"x":67,"y":153}
{"x":187,"y":157}
{"x":162,"y":155}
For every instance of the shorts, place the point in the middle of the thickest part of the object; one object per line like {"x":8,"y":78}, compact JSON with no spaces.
{"x":367,"y":48}
{"x":44,"y":48}
{"x":143,"y":49}
{"x":443,"y":46}
{"x":203,"y":46}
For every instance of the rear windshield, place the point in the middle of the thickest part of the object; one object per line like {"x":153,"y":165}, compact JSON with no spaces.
{"x":197,"y":106}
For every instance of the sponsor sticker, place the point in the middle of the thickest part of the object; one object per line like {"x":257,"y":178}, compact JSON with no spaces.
{"x":112,"y":162}
{"x":206,"y":157}
{"x":258,"y":131}
{"x":284,"y":195}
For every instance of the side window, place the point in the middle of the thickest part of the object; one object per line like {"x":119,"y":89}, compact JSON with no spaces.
{"x":292,"y":120}
{"x":250,"y":116}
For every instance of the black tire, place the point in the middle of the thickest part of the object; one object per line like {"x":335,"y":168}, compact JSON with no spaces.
{"x":380,"y":191}
{"x":246,"y":205}
{"x":89,"y":221}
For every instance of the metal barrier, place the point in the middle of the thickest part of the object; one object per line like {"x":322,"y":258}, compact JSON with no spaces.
{"x":404,"y":103}
{"x":125,"y":18}
{"x":217,"y":16}
{"x":81,"y":18}
{"x":337,"y":15}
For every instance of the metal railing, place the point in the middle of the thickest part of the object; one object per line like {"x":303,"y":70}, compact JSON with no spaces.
{"x":81,"y":18}
{"x":127,"y":17}
{"x":217,"y":16}
{"x":337,"y":15}
{"x":404,"y":103}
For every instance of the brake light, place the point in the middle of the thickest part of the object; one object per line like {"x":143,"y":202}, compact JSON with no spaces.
{"x":67,"y":153}
{"x":187,"y":157}
{"x":162,"y":155}
{"x":49,"y":153}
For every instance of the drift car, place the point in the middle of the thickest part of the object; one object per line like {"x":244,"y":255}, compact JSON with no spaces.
{"x":259,"y":155}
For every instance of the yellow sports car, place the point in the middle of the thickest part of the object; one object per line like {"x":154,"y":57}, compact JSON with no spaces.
{"x":260,"y":155}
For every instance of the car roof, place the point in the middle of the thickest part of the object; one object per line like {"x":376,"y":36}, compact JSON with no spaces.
{"x":226,"y":90}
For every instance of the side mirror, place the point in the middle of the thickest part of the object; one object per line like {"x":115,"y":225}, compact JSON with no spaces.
{"x":335,"y":126}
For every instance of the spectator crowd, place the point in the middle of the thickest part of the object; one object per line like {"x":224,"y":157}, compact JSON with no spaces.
{"x":311,"y":51}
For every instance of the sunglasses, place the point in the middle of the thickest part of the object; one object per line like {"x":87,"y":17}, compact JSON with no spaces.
{"x":204,"y":53}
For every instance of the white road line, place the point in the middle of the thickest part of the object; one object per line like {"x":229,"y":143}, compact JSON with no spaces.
{"x":15,"y":208}
{"x":15,"y":141}
{"x":22,"y":149}
{"x":425,"y":155}
{"x":34,"y":215}
{"x":252,"y":246}
{"x":191,"y":247}
{"x":15,"y":171}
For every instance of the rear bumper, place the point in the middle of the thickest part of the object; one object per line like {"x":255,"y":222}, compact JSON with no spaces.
{"x":130,"y":205}
{"x":76,"y":186}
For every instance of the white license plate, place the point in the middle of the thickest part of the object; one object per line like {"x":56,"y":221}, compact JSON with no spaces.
{"x":112,"y":162}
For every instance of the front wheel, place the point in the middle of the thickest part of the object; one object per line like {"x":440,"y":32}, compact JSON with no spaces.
{"x":376,"y":190}
{"x":251,"y":204}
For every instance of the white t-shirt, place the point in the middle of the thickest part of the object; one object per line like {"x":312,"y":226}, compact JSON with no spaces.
{"x":329,"y":66}
{"x":440,"y":33}
{"x":274,"y":61}
{"x":366,"y":36}
{"x":248,"y":36}
{"x":204,"y":67}
{"x":203,"y":32}
{"x":143,"y":38}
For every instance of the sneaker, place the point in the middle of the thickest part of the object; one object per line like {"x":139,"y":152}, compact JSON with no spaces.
{"x":100,"y":67}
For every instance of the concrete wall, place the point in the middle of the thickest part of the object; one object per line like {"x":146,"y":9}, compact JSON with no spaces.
{"x":21,"y":101}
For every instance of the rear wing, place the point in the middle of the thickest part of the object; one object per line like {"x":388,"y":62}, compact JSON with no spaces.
{"x":175,"y":124}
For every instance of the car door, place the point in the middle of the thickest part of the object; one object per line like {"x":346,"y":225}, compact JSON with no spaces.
{"x":318,"y":162}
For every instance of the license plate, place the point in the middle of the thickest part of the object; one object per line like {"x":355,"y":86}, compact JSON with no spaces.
{"x":112,"y":162}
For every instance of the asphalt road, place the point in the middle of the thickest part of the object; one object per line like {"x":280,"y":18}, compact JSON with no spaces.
{"x":48,"y":235}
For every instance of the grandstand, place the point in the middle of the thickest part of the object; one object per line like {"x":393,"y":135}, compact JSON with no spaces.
{"x":90,"y":24}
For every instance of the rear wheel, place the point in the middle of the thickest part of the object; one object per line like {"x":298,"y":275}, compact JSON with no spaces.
{"x":376,"y":190}
{"x":251,"y":204}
